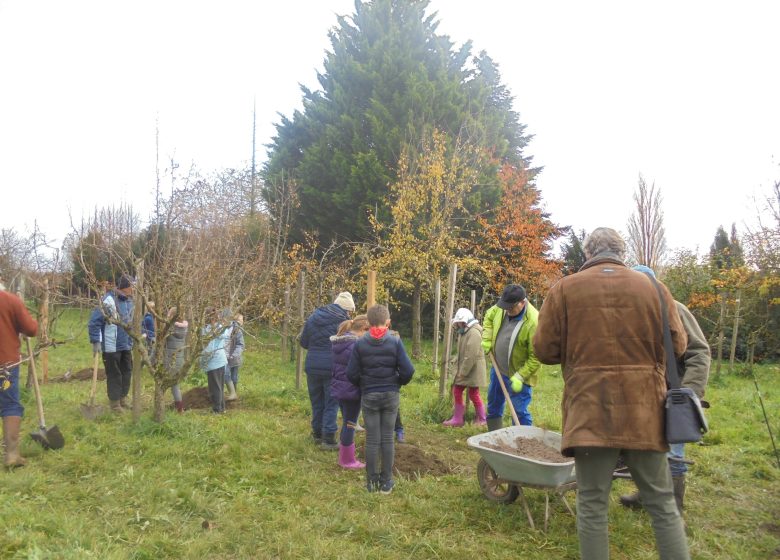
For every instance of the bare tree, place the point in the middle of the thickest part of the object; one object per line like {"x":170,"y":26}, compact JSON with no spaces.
{"x":646,"y":234}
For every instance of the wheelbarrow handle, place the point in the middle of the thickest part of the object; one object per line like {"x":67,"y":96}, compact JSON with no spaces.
{"x":500,"y":378}
{"x":36,"y":388}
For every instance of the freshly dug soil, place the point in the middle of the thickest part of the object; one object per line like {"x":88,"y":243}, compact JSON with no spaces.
{"x":198,"y":398}
{"x":411,"y":462}
{"x":81,"y":375}
{"x":530,"y":449}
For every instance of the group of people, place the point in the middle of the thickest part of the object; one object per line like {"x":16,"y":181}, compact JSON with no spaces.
{"x":353,"y":365}
{"x":603,"y":325}
{"x":221,"y":357}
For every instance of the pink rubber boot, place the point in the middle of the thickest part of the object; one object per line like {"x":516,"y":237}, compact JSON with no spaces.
{"x":347,"y":458}
{"x":479,"y":414}
{"x":457,"y":416}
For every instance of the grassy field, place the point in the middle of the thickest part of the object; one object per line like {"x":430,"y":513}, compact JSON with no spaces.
{"x":124,"y":490}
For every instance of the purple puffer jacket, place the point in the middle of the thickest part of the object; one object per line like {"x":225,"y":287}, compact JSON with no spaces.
{"x":340,"y":387}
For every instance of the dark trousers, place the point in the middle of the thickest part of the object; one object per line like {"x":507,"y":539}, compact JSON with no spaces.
{"x":380,"y":411}
{"x":119,"y":370}
{"x":324,"y":408}
{"x":216,"y":379}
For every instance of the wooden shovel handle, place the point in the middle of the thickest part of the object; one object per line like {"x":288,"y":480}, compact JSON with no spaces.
{"x":36,"y":388}
{"x":94,"y":380}
{"x":500,"y":377}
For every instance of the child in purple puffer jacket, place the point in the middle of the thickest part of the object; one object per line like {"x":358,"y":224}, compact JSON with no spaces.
{"x":343,"y":390}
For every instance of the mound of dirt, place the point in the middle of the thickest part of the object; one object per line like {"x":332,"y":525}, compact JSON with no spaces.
{"x":411,"y":462}
{"x":198,"y":399}
{"x":81,"y":375}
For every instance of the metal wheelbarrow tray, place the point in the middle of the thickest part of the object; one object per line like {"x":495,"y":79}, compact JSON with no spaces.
{"x":502,"y":475}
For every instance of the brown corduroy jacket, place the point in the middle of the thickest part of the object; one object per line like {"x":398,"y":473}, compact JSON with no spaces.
{"x":603,"y":325}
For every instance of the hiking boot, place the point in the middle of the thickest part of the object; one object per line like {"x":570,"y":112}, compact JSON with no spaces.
{"x":329,"y":442}
{"x":124,"y":402}
{"x":631,"y":500}
{"x":116,"y":407}
{"x":317,"y":437}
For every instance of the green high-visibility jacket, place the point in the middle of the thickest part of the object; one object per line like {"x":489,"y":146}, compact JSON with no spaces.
{"x":522,"y":359}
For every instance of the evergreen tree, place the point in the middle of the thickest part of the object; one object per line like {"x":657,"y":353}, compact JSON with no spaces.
{"x":389,"y":80}
{"x":572,"y":253}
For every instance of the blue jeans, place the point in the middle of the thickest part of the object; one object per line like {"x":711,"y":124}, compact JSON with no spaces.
{"x":379,"y":413}
{"x":231,"y":374}
{"x":496,"y":400}
{"x":350,"y":410}
{"x":324,"y":408}
{"x":9,"y":399}
{"x":677,"y":450}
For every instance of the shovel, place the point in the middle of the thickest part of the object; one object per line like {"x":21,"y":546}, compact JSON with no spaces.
{"x":90,"y":410}
{"x":48,"y":438}
{"x":500,"y":378}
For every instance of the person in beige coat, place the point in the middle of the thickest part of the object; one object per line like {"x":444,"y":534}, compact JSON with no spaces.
{"x":604,"y":326}
{"x":470,"y":368}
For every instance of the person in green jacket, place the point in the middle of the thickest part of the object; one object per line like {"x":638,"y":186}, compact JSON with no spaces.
{"x":508,"y":329}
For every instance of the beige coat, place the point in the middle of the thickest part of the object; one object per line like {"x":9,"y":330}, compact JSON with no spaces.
{"x":603,"y":325}
{"x":470,"y":364}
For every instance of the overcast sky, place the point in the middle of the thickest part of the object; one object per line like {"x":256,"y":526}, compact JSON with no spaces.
{"x":685,"y":93}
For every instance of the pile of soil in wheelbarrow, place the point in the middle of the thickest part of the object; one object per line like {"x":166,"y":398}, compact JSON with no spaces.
{"x":411,"y":461}
{"x":81,"y":375}
{"x":198,"y":398}
{"x":529,"y":448}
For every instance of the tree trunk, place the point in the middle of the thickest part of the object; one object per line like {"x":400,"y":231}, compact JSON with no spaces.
{"x":138,"y":314}
{"x":159,"y":401}
{"x":416,"y":321}
{"x":721,"y":324}
{"x":436,"y":321}
{"x":445,"y":359}
{"x":733,"y":352}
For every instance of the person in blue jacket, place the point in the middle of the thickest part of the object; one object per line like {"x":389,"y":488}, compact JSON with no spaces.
{"x":379,"y":365}
{"x":315,"y":338}
{"x":213,"y":359}
{"x":148,"y":329}
{"x":107,"y":334}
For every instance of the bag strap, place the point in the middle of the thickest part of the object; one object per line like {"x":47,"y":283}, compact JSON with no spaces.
{"x":672,"y":377}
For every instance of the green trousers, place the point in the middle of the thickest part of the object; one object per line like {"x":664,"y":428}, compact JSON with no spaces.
{"x":650,"y":471}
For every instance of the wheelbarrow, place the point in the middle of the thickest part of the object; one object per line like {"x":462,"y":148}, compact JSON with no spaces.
{"x":502,"y":476}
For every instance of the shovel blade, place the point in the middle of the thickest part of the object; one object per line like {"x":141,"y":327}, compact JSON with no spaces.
{"x":92,"y":411}
{"x":50,"y":438}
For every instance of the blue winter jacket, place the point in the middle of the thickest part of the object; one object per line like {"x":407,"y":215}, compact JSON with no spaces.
{"x":340,"y":387}
{"x":114,"y":338}
{"x":319,"y":327}
{"x":147,"y":327}
{"x":214,"y":355}
{"x":379,"y":364}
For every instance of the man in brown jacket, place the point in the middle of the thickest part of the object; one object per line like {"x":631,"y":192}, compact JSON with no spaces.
{"x":604,"y":326}
{"x":14,"y":320}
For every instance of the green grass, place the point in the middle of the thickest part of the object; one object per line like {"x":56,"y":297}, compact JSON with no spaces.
{"x":123,"y":490}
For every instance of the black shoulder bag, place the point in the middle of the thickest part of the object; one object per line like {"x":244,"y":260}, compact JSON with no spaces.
{"x":685,"y":421}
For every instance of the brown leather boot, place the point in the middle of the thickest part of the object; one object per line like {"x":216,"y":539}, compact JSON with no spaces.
{"x":124,"y":402}
{"x":12,"y":458}
{"x":116,"y":406}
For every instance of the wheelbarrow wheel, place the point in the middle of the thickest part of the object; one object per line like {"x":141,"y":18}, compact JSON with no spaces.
{"x":495,"y":489}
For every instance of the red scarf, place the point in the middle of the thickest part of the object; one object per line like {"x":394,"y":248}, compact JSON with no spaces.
{"x":377,"y":332}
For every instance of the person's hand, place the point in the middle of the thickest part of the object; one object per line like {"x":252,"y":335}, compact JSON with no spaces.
{"x":517,"y":383}
{"x":96,"y":348}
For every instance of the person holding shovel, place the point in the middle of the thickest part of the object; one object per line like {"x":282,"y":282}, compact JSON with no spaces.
{"x":315,"y":338}
{"x":108,"y":335}
{"x":235,"y":355}
{"x":14,"y":320}
{"x":508,"y":329}
{"x":173,"y":356}
{"x":470,"y":368}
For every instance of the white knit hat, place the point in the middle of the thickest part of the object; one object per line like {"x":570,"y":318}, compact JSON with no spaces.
{"x":344,"y":299}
